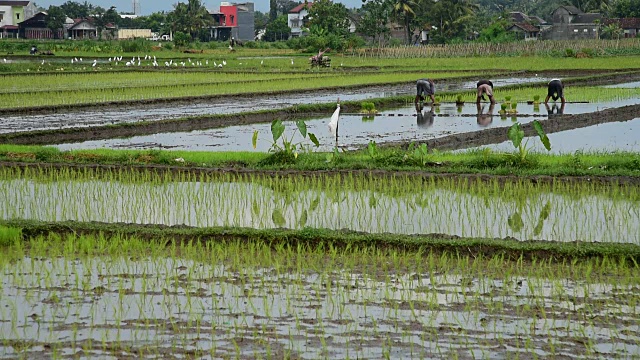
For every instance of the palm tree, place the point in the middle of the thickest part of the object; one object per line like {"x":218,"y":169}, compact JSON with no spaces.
{"x":190,"y":17}
{"x":404,"y":10}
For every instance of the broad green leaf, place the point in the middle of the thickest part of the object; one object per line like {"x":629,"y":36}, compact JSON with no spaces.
{"x":302,"y":127}
{"x":515,"y":222}
{"x":303,"y":219}
{"x":412,"y":145}
{"x":277,"y":129}
{"x":254,"y":140}
{"x":314,"y":139}
{"x":278,"y":218}
{"x":542,"y":135}
{"x":515,"y":134}
{"x":424,"y":149}
{"x":314,"y":204}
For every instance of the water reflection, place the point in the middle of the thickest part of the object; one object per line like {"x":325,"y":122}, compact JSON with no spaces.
{"x":555,"y":109}
{"x":425,"y":116}
{"x":484,"y":118}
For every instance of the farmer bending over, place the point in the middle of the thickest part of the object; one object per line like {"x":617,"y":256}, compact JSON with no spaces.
{"x":555,"y":91}
{"x":425,"y":87}
{"x":485,"y":87}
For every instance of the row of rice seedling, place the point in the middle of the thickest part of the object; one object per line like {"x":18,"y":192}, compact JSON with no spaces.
{"x":98,"y":295}
{"x":98,"y":95}
{"x":565,"y":48}
{"x":400,"y":205}
{"x":88,"y":81}
{"x":572,"y":93}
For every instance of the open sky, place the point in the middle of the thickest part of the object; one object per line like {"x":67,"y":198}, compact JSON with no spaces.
{"x":149,"y":6}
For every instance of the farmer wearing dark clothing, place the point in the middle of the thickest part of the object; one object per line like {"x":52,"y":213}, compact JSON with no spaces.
{"x":425,"y":87}
{"x":555,"y":91}
{"x":485,"y":87}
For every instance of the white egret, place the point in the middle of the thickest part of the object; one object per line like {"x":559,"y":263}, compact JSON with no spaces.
{"x":214,"y":64}
{"x":207,"y":62}
{"x":219,"y":65}
{"x":71,"y":60}
{"x":166,"y":63}
{"x":109,"y":59}
{"x":291,"y":61}
{"x":80,"y":59}
{"x":333,"y":124}
{"x":76,"y":59}
{"x":224,"y":62}
{"x":128,"y":63}
{"x":5,"y":60}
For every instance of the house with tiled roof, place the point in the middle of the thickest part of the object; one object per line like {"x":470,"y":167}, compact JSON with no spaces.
{"x":297,"y":18}
{"x":12,"y":13}
{"x":629,"y":26}
{"x":526,"y":27}
{"x":571,"y":23}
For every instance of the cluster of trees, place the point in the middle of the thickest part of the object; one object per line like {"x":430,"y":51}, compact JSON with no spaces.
{"x":447,"y":20}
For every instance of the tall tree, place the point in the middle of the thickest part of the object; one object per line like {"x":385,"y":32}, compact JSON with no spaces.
{"x":374,"y":19}
{"x":190,"y":18}
{"x":76,"y":10}
{"x":273,"y":10}
{"x":332,"y":18}
{"x":277,"y":30}
{"x":404,"y":12}
{"x":55,"y":19}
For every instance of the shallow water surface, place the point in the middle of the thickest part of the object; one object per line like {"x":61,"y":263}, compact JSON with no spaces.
{"x":402,"y":124}
{"x":540,"y":214}
{"x":120,"y":307}
{"x":127,"y":114}
{"x":609,"y":137}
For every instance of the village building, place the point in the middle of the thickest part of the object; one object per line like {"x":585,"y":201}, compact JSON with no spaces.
{"x":297,"y":18}
{"x":235,"y":20}
{"x":630,"y":26}
{"x":571,"y":23}
{"x":12,"y":13}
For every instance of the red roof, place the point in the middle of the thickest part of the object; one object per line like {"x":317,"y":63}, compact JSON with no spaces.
{"x":300,"y":7}
{"x":9,"y":27}
{"x":625,"y":23}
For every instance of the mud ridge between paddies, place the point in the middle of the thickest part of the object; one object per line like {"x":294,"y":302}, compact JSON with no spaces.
{"x":592,"y":78}
{"x":510,"y":248}
{"x":179,"y":172}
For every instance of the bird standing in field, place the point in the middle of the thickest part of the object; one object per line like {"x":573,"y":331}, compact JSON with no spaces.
{"x":333,"y":124}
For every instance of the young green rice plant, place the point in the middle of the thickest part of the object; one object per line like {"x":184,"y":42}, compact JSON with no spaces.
{"x":438,"y":101}
{"x":503,"y":109}
{"x":507,"y":99}
{"x":514,"y":107}
{"x":368,"y":107}
{"x":288,"y":149}
{"x":536,"y":99}
{"x":459,"y":100}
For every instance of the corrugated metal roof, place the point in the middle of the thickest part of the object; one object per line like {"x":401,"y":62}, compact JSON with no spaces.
{"x":14,"y":3}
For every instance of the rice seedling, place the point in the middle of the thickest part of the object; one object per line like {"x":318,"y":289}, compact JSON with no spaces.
{"x":219,"y":86}
{"x":250,"y":299}
{"x":361,"y":204}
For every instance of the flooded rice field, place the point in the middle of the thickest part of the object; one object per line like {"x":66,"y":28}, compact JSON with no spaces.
{"x":533,"y":213}
{"x":402,"y":124}
{"x":309,"y":308}
{"x":161,"y":111}
{"x":609,"y":137}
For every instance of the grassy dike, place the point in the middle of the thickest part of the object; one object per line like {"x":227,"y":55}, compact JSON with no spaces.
{"x":318,"y":239}
{"x":616,"y":164}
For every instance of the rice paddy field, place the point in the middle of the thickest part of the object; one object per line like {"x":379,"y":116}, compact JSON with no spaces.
{"x":151,"y":227}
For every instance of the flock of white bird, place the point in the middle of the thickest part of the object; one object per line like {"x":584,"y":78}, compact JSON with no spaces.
{"x":149,"y":61}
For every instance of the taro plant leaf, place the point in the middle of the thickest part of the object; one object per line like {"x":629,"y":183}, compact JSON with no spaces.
{"x":254,"y":140}
{"x":278,"y":218}
{"x":543,"y":137}
{"x":277,"y":129}
{"x":516,"y":135}
{"x":314,"y":139}
{"x":544,"y":214}
{"x":515,"y":222}
{"x":303,"y":219}
{"x":314,"y":204}
{"x":302,"y":126}
{"x":373,"y":202}
{"x":412,"y":145}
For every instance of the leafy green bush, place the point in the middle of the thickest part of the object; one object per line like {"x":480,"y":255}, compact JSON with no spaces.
{"x":135,"y":45}
{"x":181,"y":39}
